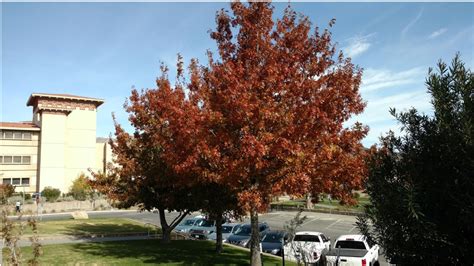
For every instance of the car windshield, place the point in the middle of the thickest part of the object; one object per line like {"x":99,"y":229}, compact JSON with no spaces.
{"x":205,"y":223}
{"x":236,"y":228}
{"x":188,"y":222}
{"x":306,"y":238}
{"x":243,"y":231}
{"x":226,"y":229}
{"x":274,"y":237}
{"x":350,"y":244}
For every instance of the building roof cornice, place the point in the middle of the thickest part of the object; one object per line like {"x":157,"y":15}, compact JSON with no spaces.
{"x":34,"y":96}
{"x":19,"y":126}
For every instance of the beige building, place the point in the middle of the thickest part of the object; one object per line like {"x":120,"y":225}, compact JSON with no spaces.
{"x":55,"y":147}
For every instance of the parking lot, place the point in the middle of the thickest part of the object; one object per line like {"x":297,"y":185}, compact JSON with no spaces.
{"x":332,"y":225}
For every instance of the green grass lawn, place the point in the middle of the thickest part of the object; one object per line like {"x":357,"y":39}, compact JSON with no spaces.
{"x":138,"y":252}
{"x":106,"y":226}
{"x":325,"y":203}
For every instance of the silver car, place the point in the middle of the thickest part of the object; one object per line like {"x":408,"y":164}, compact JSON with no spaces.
{"x":202,"y":229}
{"x":187,"y":224}
{"x":227,"y":230}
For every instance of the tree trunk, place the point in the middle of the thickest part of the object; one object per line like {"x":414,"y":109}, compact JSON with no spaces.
{"x":219,"y":233}
{"x":166,"y":236}
{"x":165,"y":228}
{"x":255,"y":259}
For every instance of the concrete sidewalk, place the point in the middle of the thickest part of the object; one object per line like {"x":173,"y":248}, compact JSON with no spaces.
{"x":76,"y":239}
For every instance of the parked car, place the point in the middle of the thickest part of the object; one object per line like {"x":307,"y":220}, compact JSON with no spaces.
{"x":202,"y":229}
{"x":273,"y":241}
{"x":227,"y":230}
{"x":242,"y":236}
{"x":353,"y":250}
{"x":188,"y":224}
{"x":309,"y":247}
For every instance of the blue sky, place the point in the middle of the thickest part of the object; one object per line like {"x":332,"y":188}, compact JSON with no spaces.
{"x":103,"y":49}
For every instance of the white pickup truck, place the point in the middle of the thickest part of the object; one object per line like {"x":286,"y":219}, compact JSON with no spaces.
{"x":308,"y":247}
{"x":353,"y":250}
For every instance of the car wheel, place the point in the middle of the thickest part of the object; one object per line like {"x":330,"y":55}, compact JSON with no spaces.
{"x":376,"y":263}
{"x":322,"y":260}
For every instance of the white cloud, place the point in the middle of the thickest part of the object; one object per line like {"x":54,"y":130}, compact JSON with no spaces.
{"x":437,"y":33}
{"x":376,"y":115}
{"x":376,"y":79}
{"x":357,"y":45}
{"x":411,"y":23}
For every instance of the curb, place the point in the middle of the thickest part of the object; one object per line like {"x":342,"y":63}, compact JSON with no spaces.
{"x":276,"y":207}
{"x":67,"y":213}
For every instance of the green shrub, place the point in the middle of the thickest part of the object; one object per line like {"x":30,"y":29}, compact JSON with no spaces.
{"x":27,"y":196}
{"x":80,"y":189}
{"x":51,"y":194}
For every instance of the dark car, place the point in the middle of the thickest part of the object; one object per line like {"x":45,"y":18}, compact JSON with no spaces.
{"x":273,"y":241}
{"x":242,"y":236}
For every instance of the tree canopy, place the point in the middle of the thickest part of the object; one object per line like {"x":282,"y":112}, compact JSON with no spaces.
{"x":421,"y":183}
{"x":265,"y":116}
{"x":275,"y":99}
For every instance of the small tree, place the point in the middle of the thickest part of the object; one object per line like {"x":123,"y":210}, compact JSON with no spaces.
{"x":81,"y":189}
{"x":6,"y":191}
{"x":51,"y":194}
{"x":291,"y":227}
{"x":421,"y":184}
{"x":11,"y":231}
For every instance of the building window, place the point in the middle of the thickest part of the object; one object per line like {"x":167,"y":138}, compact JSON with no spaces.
{"x":8,"y":135}
{"x":26,"y":160}
{"x":27,"y":136}
{"x":23,"y":182}
{"x":17,"y":135}
{"x":7,"y":159}
{"x":17,"y":159}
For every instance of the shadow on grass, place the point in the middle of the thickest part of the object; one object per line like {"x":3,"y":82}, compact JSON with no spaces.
{"x":185,"y":252}
{"x":85,"y":228}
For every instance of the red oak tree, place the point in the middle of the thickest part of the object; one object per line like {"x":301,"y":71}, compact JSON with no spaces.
{"x":275,"y":102}
{"x":264,"y":118}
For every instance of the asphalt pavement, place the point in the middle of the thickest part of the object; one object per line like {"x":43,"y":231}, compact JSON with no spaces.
{"x":332,"y":225}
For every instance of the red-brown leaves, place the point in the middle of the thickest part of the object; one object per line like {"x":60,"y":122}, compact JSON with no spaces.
{"x":278,"y":100}
{"x":265,"y":117}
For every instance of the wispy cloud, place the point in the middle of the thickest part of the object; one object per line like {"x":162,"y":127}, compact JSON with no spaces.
{"x":411,"y":23}
{"x":437,"y":33}
{"x":357,"y":45}
{"x":376,"y":79}
{"x":376,"y":115}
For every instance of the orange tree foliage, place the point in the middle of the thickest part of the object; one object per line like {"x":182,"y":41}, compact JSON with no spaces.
{"x":275,"y":105}
{"x":143,"y":174}
{"x":264,"y":118}
{"x":275,"y":101}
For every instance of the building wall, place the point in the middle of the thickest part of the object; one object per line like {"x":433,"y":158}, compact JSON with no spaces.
{"x":53,"y":150}
{"x":81,"y":142}
{"x":24,"y":148}
{"x":64,"y":143}
{"x":68,"y":147}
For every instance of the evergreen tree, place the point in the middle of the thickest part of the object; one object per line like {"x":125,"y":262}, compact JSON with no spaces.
{"x":421,"y":184}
